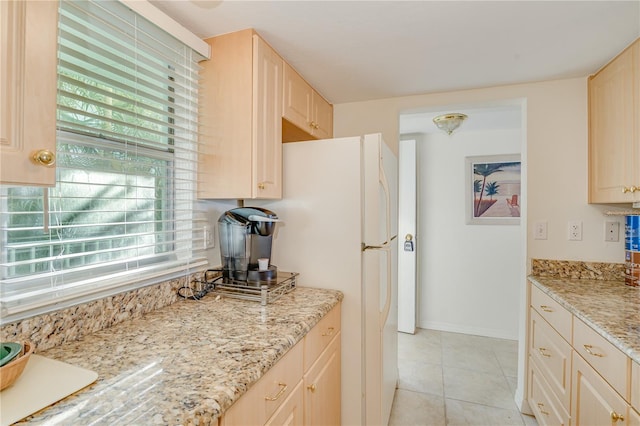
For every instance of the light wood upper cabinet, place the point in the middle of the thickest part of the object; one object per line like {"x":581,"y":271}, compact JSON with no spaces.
{"x":241,"y":119}
{"x":614,"y":130}
{"x":28,"y":58}
{"x":307,"y":115}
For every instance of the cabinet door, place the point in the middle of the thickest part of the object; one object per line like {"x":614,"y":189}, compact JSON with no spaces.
{"x":613,"y":144}
{"x":594,"y":402}
{"x":28,"y":52}
{"x":296,"y":100}
{"x":267,"y":121}
{"x":322,"y":388}
{"x":322,"y":117}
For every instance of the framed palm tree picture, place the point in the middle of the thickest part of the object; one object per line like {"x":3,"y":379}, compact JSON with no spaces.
{"x":493,"y":185}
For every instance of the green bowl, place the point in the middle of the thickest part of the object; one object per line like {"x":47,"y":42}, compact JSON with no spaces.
{"x":8,"y":351}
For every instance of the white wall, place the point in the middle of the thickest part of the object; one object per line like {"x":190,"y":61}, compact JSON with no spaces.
{"x":469,"y":274}
{"x":556,"y":156}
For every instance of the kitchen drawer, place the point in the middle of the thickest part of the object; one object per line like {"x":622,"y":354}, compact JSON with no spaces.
{"x":320,"y":336}
{"x":611,"y":363}
{"x":545,"y":405}
{"x":267,"y":394}
{"x":552,"y":312}
{"x":635,"y":385}
{"x":291,"y":412}
{"x":553,"y":355}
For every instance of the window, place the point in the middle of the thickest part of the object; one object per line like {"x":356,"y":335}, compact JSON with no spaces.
{"x":123,"y":211}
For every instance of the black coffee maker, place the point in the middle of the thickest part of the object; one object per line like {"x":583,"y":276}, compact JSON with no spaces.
{"x":245,"y":244}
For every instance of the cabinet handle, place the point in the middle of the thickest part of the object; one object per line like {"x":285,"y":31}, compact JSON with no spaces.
{"x":546,"y":413}
{"x":543,"y":352}
{"x":615,"y":417}
{"x":283,"y":388}
{"x":261,"y":185}
{"x":312,"y":387}
{"x":311,"y":124}
{"x":330,"y":333}
{"x":546,"y":308}
{"x":590,"y":352}
{"x":631,"y":189}
{"x":44,"y":157}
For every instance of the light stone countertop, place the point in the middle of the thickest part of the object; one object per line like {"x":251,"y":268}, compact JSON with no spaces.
{"x":611,"y":308}
{"x":184,"y":364}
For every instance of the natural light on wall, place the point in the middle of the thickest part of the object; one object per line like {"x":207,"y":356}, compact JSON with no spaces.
{"x":123,"y":212}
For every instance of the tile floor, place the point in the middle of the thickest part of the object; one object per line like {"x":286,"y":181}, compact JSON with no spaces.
{"x":456,"y":379}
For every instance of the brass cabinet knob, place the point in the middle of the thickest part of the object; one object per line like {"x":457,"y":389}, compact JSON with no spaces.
{"x":261,"y":185}
{"x":44,"y":157}
{"x":616,"y":417}
{"x":631,"y":189}
{"x":312,"y":387}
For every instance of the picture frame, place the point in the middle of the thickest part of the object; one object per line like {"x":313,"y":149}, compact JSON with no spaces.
{"x":493,"y":189}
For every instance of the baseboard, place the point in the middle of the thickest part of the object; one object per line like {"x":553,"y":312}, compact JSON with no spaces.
{"x":476,"y":331}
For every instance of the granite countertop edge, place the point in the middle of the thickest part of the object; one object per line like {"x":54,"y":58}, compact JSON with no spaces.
{"x":184,"y":364}
{"x":575,"y":294}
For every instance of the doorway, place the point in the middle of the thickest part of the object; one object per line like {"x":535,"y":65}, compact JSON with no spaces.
{"x":469,"y":275}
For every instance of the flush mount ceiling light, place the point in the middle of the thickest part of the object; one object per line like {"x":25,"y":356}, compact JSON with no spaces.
{"x":449,"y":122}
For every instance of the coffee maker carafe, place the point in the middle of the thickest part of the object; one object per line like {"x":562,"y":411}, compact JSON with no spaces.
{"x":245,"y":244}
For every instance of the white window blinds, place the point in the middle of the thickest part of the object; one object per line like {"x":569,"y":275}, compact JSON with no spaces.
{"x":123,"y":212}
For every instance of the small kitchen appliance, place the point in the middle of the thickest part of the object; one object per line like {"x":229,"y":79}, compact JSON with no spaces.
{"x":245,"y":244}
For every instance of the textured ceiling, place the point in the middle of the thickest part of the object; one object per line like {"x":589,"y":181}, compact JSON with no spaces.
{"x":362,"y":50}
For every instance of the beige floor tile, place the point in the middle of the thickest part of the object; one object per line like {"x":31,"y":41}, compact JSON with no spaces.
{"x":423,"y":346}
{"x":420,"y":377}
{"x":477,"y":387}
{"x":471,"y":358}
{"x":414,"y":408}
{"x":465,"y":413}
{"x":477,"y":376}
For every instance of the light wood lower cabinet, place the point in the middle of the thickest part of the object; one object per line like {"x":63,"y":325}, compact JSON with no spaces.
{"x":545,"y":404}
{"x":574,"y":375}
{"x":322,"y":384}
{"x":303,"y":388}
{"x":594,"y":401}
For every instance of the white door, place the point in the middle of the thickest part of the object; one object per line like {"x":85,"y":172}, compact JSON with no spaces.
{"x":407,"y":244}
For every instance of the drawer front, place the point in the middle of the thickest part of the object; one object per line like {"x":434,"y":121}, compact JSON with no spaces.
{"x":635,"y":385}
{"x":553,"y":355}
{"x":546,"y":407}
{"x":320,"y":336}
{"x":610,"y":362}
{"x":552,"y":312}
{"x":267,"y":394}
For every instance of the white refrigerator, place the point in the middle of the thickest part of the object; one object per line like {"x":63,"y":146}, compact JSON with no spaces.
{"x":338,"y":230}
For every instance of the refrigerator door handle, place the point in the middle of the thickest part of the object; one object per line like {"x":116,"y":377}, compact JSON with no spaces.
{"x":382,"y":179}
{"x":384,"y":314}
{"x":384,"y":246}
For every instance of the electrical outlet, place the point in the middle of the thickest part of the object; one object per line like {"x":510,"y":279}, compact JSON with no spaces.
{"x":575,"y":230}
{"x":540,"y":231}
{"x":209,"y":237}
{"x":612,"y":231}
